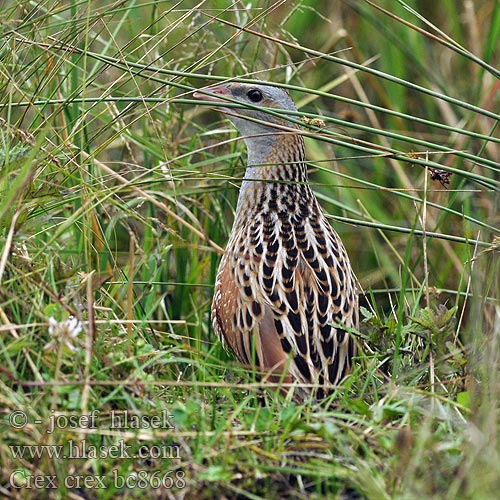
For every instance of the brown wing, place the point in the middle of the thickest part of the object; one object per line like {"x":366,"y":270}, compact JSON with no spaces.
{"x":245,"y":324}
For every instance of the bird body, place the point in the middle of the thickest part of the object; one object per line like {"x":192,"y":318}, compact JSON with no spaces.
{"x":285,"y":292}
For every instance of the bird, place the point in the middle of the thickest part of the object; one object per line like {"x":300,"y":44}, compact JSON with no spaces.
{"x":286,"y":296}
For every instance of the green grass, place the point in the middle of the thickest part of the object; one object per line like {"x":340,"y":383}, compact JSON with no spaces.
{"x":117,"y":193}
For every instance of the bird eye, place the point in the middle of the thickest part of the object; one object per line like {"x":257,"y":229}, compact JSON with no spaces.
{"x":255,"y":95}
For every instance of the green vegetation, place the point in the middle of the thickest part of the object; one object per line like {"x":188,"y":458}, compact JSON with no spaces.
{"x":116,"y":196}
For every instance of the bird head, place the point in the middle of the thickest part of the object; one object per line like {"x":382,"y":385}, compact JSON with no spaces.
{"x":251,"y":120}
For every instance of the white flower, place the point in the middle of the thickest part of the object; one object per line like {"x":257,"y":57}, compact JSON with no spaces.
{"x":63,"y":332}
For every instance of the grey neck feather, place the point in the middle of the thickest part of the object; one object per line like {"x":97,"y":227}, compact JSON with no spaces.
{"x":260,"y":141}
{"x":258,"y":149}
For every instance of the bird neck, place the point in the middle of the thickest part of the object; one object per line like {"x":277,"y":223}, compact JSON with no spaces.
{"x":278,"y":160}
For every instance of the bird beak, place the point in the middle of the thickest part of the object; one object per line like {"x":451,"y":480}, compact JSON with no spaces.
{"x":213,"y":94}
